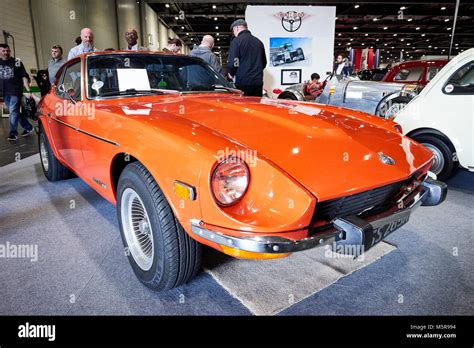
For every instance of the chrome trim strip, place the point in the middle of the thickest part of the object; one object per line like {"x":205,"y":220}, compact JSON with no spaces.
{"x":84,"y":132}
{"x":348,"y":230}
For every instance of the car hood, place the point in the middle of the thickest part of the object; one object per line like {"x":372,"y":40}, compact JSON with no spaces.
{"x":329,"y":150}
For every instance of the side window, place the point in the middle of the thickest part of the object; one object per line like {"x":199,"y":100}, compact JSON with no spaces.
{"x":432,"y":71}
{"x":71,"y":82}
{"x":462,"y":81}
{"x":409,"y":74}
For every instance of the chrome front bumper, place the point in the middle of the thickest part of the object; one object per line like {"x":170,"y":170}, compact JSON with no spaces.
{"x":350,"y":230}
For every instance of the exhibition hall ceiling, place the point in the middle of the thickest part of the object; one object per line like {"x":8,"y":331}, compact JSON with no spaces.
{"x":416,"y":27}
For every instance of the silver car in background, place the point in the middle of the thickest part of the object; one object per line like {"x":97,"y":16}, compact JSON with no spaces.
{"x":382,"y":99}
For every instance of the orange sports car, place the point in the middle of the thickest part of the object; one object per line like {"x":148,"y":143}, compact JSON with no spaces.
{"x":188,"y":160}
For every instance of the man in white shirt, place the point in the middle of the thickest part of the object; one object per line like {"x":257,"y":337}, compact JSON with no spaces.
{"x":131,"y":36}
{"x":87,"y":44}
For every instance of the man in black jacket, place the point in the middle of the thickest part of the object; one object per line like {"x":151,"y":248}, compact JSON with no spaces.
{"x":247,"y":59}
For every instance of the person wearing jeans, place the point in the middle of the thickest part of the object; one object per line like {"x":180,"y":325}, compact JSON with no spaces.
{"x":13,"y":77}
{"x":13,"y":104}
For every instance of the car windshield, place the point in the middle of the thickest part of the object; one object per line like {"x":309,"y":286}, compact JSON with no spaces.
{"x":131,"y":74}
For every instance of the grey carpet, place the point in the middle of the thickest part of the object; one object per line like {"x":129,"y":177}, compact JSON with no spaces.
{"x":268,"y":287}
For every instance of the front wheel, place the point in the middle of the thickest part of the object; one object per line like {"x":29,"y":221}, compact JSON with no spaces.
{"x":444,"y":161}
{"x":161,"y":253}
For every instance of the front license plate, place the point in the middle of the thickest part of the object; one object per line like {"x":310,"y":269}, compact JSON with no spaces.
{"x":383,"y":227}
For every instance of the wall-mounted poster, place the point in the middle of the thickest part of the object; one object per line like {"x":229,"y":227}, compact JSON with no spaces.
{"x":290,"y":51}
{"x":290,"y":76}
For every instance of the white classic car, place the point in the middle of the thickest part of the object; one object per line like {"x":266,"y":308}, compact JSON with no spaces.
{"x":441,"y":117}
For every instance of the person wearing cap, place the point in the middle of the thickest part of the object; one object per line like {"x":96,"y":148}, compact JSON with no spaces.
{"x":247,"y":60}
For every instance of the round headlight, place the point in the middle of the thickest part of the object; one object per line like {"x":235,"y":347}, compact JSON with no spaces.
{"x":230,"y":181}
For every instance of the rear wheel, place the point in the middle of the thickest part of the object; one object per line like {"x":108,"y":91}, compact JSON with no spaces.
{"x":52,"y":168}
{"x":444,"y":163}
{"x":161,"y":253}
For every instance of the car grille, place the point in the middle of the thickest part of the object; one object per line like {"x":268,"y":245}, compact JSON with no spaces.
{"x":374,"y":200}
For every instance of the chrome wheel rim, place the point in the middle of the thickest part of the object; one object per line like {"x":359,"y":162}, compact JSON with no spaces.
{"x":44,"y":154}
{"x":137,"y":229}
{"x":438,"y":160}
{"x":394,"y":109}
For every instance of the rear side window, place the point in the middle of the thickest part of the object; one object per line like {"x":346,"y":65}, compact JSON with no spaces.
{"x":409,"y":74}
{"x":462,"y":81}
{"x":432,"y":71}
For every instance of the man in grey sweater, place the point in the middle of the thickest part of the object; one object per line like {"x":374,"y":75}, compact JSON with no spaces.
{"x":204,"y":51}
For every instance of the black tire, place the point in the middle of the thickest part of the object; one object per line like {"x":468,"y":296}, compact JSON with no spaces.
{"x":53,"y":169}
{"x":382,"y":108}
{"x":288,"y":96}
{"x":434,"y":143}
{"x":176,"y":256}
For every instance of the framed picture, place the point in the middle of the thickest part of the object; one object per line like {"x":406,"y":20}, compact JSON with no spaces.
{"x":290,"y":76}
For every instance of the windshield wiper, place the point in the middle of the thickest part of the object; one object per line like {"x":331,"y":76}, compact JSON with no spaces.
{"x":216,"y":87}
{"x":133,"y":91}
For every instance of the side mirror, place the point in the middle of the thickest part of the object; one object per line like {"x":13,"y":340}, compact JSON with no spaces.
{"x":66,"y":94}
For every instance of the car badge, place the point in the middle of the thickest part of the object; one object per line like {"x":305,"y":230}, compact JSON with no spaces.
{"x":386,"y":159}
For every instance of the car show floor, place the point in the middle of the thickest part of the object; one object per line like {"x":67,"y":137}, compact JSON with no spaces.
{"x":80,"y":267}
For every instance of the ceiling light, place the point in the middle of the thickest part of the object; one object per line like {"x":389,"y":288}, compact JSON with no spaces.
{"x":215,"y":18}
{"x":348,"y":43}
{"x":427,"y":40}
{"x":410,"y":19}
{"x":352,"y":39}
{"x":219,"y":47}
{"x":417,"y":28}
{"x":393,"y":47}
{"x":408,"y":44}
{"x":385,"y":44}
{"x":366,"y":34}
{"x":402,"y":39}
{"x":403,"y":8}
{"x":214,"y":7}
{"x":339,"y":34}
{"x":436,"y":48}
{"x":336,"y":18}
{"x":448,"y":28}
{"x":456,"y":44}
{"x":377,"y":40}
{"x":356,"y":6}
{"x":339,"y":44}
{"x":446,"y":20}
{"x":182,"y":28}
{"x":355,"y":28}
{"x":443,"y":8}
{"x":218,"y":39}
{"x":363,"y":44}
{"x":375,"y":19}
{"x":217,"y":34}
{"x":167,"y":5}
{"x":176,"y":18}
{"x":423,"y":34}
{"x":217,"y":27}
{"x":394,"y":34}
{"x":385,"y":28}
{"x":430,"y":46}
{"x":187,"y":34}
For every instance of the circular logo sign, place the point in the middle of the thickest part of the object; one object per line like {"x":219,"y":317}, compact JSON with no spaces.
{"x":291,"y":21}
{"x":449,"y":88}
